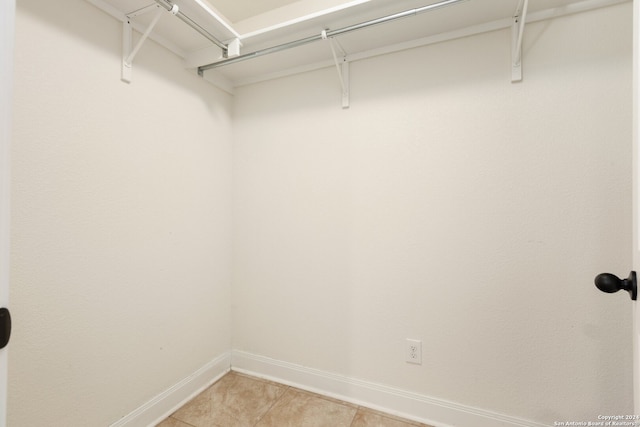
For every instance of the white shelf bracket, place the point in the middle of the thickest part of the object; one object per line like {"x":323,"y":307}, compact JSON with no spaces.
{"x":129,"y":53}
{"x":345,"y":84}
{"x":517,"y":32}
{"x":342,"y":66}
{"x":127,"y":34}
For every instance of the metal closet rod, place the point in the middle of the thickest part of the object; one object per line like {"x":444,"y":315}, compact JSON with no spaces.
{"x":326,"y":34}
{"x":184,"y":18}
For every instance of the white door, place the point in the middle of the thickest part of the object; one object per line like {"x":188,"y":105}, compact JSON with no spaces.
{"x":636,"y":200}
{"x":7,"y":14}
{"x":608,"y":282}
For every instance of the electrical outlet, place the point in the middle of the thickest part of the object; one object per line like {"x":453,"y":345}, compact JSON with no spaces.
{"x":414,"y":351}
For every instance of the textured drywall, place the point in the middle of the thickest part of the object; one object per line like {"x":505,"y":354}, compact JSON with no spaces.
{"x":121,"y":210}
{"x":451,"y":206}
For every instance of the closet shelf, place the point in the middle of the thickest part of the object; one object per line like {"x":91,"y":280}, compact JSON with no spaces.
{"x":202,"y":35}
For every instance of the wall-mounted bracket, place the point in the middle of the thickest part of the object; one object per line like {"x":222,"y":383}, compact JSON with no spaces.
{"x":345,"y":84}
{"x":342,"y":66}
{"x":233,"y":48}
{"x":129,"y":53}
{"x":517,"y":32}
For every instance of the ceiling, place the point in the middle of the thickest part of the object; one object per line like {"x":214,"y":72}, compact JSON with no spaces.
{"x":239,"y":10}
{"x":261,"y":24}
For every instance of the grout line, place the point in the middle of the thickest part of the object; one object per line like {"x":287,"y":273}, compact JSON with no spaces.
{"x":286,"y":389}
{"x":355,"y":414}
{"x":180,"y":421}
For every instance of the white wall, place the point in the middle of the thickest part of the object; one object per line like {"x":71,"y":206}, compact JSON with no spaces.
{"x":451,"y":206}
{"x":446,"y":205}
{"x":121,"y":221}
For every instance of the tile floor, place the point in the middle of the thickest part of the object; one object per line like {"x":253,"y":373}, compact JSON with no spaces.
{"x":238,"y":400}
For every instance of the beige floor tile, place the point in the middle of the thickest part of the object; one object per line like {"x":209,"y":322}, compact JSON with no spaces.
{"x":330,"y":399}
{"x":369,"y":418}
{"x":239,"y":400}
{"x":235,"y":400}
{"x":301,"y":409}
{"x":172,"y":422}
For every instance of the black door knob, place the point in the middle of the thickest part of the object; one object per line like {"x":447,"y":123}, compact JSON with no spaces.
{"x":611,"y":283}
{"x":5,"y":327}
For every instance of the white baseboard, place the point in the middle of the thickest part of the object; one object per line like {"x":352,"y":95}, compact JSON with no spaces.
{"x":413,"y":406}
{"x":166,"y":403}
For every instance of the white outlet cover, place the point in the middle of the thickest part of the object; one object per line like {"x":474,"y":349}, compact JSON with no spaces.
{"x":413,"y":351}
